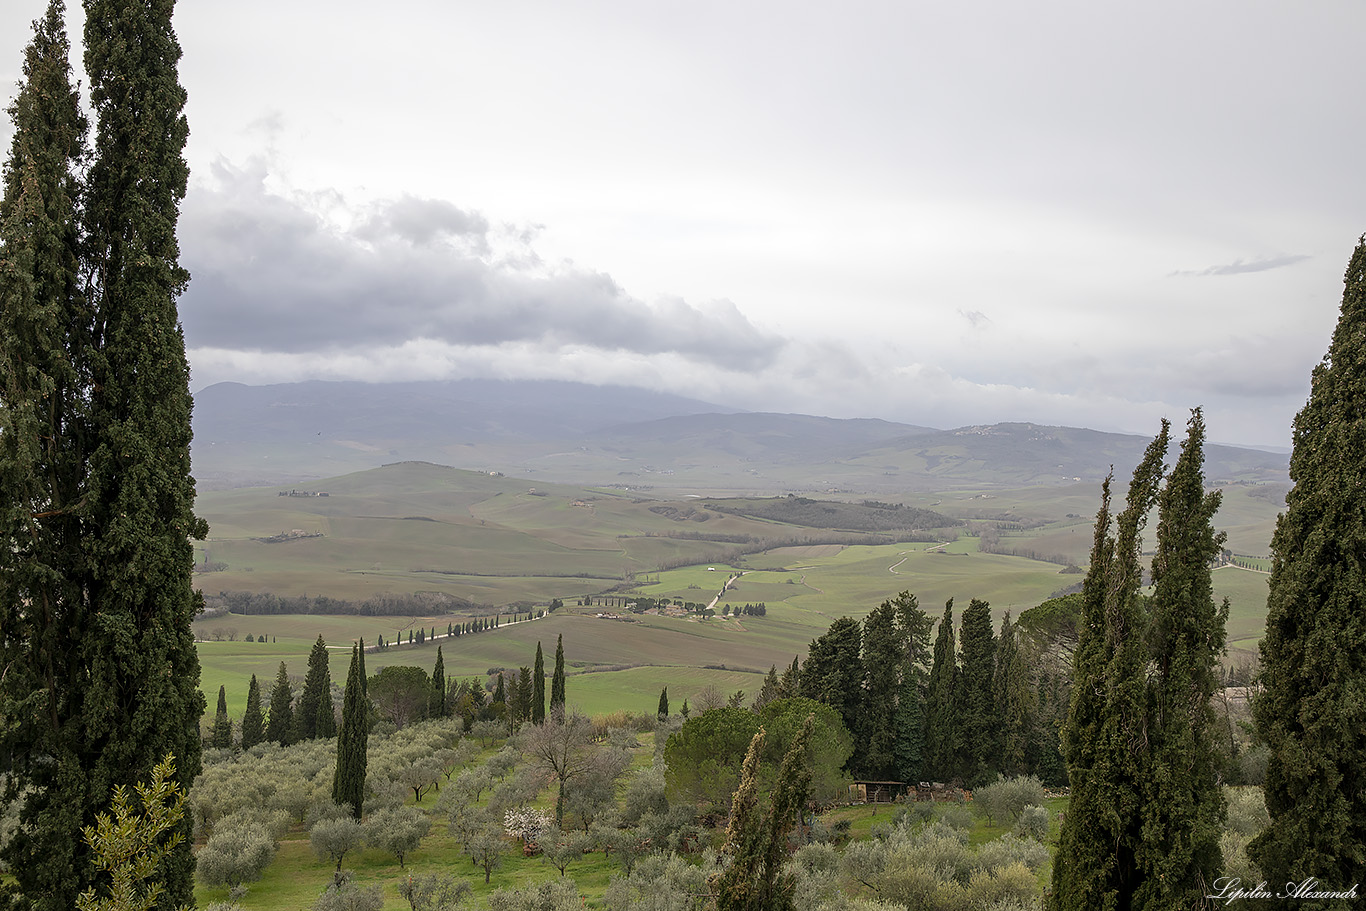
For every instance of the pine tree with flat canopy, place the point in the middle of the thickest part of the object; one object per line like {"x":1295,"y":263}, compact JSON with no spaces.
{"x":1312,"y":709}
{"x":97,"y":494}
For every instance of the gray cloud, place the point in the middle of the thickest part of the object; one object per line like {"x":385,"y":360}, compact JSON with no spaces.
{"x":272,"y":273}
{"x":1243,"y":266}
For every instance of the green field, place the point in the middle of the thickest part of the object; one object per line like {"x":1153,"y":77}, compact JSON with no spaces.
{"x":416,"y":527}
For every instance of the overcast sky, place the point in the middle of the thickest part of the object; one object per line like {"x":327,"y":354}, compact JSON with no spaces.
{"x":1070,"y":213}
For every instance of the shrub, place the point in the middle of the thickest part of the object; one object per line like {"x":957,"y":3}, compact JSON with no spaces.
{"x":1033,"y":823}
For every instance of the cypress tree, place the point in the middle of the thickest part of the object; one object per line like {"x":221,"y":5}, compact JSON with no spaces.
{"x":1096,"y":863}
{"x":941,"y":731}
{"x":663,"y":711}
{"x":884,"y":666}
{"x":975,"y":697}
{"x":348,"y":781}
{"x":102,"y":492}
{"x":43,"y":315}
{"x":317,"y":683}
{"x":280,"y":728}
{"x":222,"y":724}
{"x":253,"y":724}
{"x":557,"y":681}
{"x":1311,"y":709}
{"x":438,"y":702}
{"x":1183,"y":810}
{"x":915,"y":627}
{"x":500,"y":691}
{"x":524,"y":688}
{"x":833,"y":672}
{"x":1016,"y":703}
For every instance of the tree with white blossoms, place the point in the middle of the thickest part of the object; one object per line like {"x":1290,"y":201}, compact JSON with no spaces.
{"x":526,"y":824}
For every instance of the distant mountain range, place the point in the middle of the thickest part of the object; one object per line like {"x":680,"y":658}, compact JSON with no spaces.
{"x":625,"y":437}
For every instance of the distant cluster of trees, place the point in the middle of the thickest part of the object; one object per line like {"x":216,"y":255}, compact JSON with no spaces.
{"x":387,"y":605}
{"x":967,"y":711}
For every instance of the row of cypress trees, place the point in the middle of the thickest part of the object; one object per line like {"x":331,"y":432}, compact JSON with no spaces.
{"x":101,"y":678}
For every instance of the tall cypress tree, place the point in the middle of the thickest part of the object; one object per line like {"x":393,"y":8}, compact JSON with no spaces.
{"x":557,"y":681}
{"x":538,"y":688}
{"x":975,"y":697}
{"x":1183,"y":809}
{"x":1312,"y":709}
{"x":915,"y":627}
{"x":222,"y":724}
{"x":941,"y":730}
{"x":280,"y":727}
{"x":884,"y":665}
{"x":43,"y":372}
{"x":123,"y":692}
{"x":348,"y":781}
{"x":662,"y":711}
{"x":253,"y":723}
{"x":317,"y":683}
{"x":833,"y":672}
{"x":1016,"y":703}
{"x":1096,"y":864}
{"x":438,"y":701}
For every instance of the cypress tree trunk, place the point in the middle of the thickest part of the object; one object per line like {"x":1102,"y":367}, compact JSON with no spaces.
{"x":253,"y":724}
{"x":1312,"y":709}
{"x":348,"y":782}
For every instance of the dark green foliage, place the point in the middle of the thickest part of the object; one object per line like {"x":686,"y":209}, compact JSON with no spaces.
{"x":221,"y":738}
{"x":538,"y":688}
{"x":1016,"y":703}
{"x":1143,"y":827}
{"x":833,"y":672}
{"x":437,"y":708}
{"x":348,"y":782}
{"x":1183,"y":810}
{"x":754,"y":880}
{"x":557,"y":680}
{"x":1312,"y":710}
{"x":96,"y":509}
{"x":866,"y":517}
{"x":704,"y":756}
{"x":663,"y":711}
{"x":400,"y":693}
{"x":253,"y":723}
{"x":909,"y":747}
{"x":280,"y":726}
{"x":317,"y":689}
{"x":1096,"y":865}
{"x":975,"y":697}
{"x":941,"y":731}
{"x":884,"y":664}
